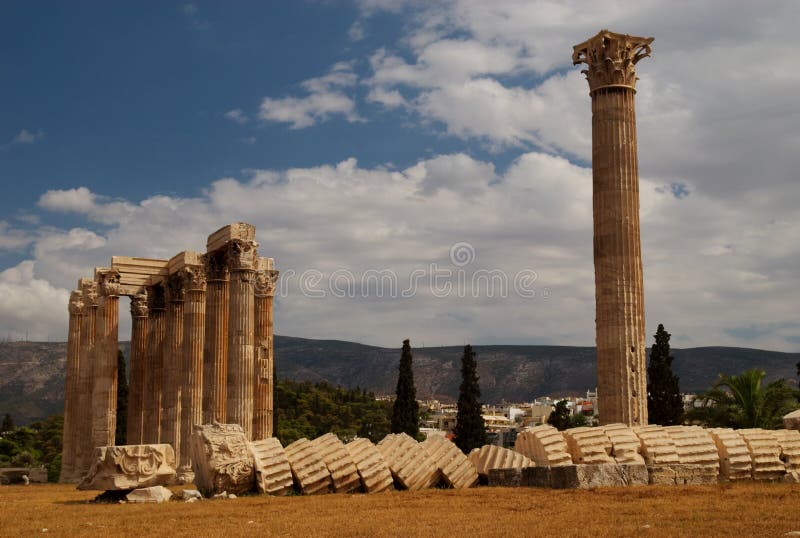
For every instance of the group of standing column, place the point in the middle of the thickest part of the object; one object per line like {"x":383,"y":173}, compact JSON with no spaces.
{"x":201,"y":349}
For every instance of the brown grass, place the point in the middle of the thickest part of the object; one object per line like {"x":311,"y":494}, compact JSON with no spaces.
{"x":738,"y":511}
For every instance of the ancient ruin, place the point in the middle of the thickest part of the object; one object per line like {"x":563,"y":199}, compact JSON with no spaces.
{"x":116,"y":468}
{"x":619,"y":293}
{"x":201,"y":349}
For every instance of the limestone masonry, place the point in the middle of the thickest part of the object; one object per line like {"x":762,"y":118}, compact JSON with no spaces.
{"x":201,"y":349}
{"x":619,"y":288}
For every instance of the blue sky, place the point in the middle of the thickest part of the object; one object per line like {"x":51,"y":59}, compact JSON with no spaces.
{"x":376,"y":136}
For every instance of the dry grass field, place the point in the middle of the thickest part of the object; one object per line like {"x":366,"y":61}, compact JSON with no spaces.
{"x":738,"y":510}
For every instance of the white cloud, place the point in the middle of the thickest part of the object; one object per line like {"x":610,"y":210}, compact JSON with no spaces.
{"x":82,"y":201}
{"x":237,"y":115}
{"x":12,"y":238}
{"x":357,"y":31}
{"x":31,"y":307}
{"x":326,"y":98}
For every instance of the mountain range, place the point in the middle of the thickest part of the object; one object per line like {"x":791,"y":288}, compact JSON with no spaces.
{"x":32,"y":373}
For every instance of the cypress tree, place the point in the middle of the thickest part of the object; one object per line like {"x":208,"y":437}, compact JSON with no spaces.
{"x":405,"y":412}
{"x":8,"y":423}
{"x":122,"y":401}
{"x":470,"y":429}
{"x":664,"y":403}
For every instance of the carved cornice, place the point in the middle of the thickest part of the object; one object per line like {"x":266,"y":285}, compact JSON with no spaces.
{"x":176,"y":287}
{"x":156,"y":299}
{"x":90,"y":295}
{"x":109,"y":281}
{"x":242,"y":255}
{"x":266,"y":282}
{"x":611,"y":58}
{"x":139,"y":307}
{"x":194,"y":278}
{"x":76,"y":303}
{"x":216,"y":265}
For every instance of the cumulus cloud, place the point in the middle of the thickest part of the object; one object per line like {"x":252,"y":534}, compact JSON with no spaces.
{"x":31,"y":307}
{"x":326,"y":98}
{"x":82,"y":201}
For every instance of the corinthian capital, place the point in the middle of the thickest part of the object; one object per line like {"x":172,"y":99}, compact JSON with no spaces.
{"x":139,"y":307}
{"x":611,"y":58}
{"x":176,"y":287}
{"x":108,"y":281}
{"x":76,"y":303}
{"x":265,"y":283}
{"x":242,"y":255}
{"x":216,"y":265}
{"x":194,"y":277}
{"x":89,"y":290}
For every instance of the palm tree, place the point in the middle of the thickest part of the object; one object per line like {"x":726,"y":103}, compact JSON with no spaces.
{"x":741,"y":401}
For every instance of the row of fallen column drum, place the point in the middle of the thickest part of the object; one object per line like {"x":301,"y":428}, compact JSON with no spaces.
{"x":327,"y":465}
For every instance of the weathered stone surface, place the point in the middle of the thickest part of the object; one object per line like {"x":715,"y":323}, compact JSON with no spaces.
{"x":490,"y":457}
{"x":658,"y":448}
{"x":273,"y":473}
{"x":544,"y":444}
{"x":410,"y":464}
{"x":505,"y":478}
{"x":791,"y":421}
{"x":457,"y":471}
{"x":789,"y":441}
{"x":129,"y":467}
{"x":375,"y":474}
{"x":344,"y":474}
{"x":154,"y":494}
{"x":586,"y":476}
{"x":625,"y":444}
{"x":308,"y":468}
{"x":187,"y":494}
{"x":734,"y":456}
{"x":221,"y":459}
{"x":695,"y":446}
{"x":680,"y":474}
{"x":588,"y":445}
{"x":619,"y":286}
{"x":765,"y":453}
{"x":17,"y":475}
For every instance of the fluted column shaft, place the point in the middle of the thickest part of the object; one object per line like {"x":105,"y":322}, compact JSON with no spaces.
{"x":83,"y":429}
{"x":192,"y":372}
{"x":171,"y":375}
{"x":241,"y":338}
{"x":618,"y":258}
{"x":215,"y":346}
{"x":104,"y":391}
{"x":156,"y":332}
{"x":263,"y":388}
{"x":139,"y":314}
{"x":71,"y":409}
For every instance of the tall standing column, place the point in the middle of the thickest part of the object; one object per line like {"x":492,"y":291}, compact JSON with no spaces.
{"x":194,"y":314}
{"x":71,"y":409}
{"x":139,"y":313}
{"x":156,"y":331}
{"x":83,"y":429}
{"x":619,"y":288}
{"x":241,"y":338}
{"x":215,"y":347}
{"x":266,"y":278}
{"x":171,"y":375}
{"x":104,"y":392}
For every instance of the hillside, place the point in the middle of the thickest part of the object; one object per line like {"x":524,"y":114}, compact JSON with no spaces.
{"x":32,"y":373}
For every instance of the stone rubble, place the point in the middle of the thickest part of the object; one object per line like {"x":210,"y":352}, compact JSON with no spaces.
{"x":154,"y":494}
{"x":625,"y":445}
{"x":588,"y":445}
{"x":734,"y":456}
{"x":410,"y":464}
{"x":308,"y":468}
{"x":765,"y":453}
{"x":490,"y":457}
{"x":221,"y":459}
{"x":375,"y":474}
{"x":344,"y":474}
{"x":543,"y":444}
{"x":273,"y":473}
{"x":456,"y":469}
{"x":124,"y":467}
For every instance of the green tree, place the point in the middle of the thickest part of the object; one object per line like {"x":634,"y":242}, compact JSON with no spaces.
{"x":405,"y":412}
{"x":8,"y":423}
{"x":560,"y":417}
{"x":664,"y":402}
{"x":470,"y":431}
{"x":742,"y":401}
{"x":122,"y":400}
